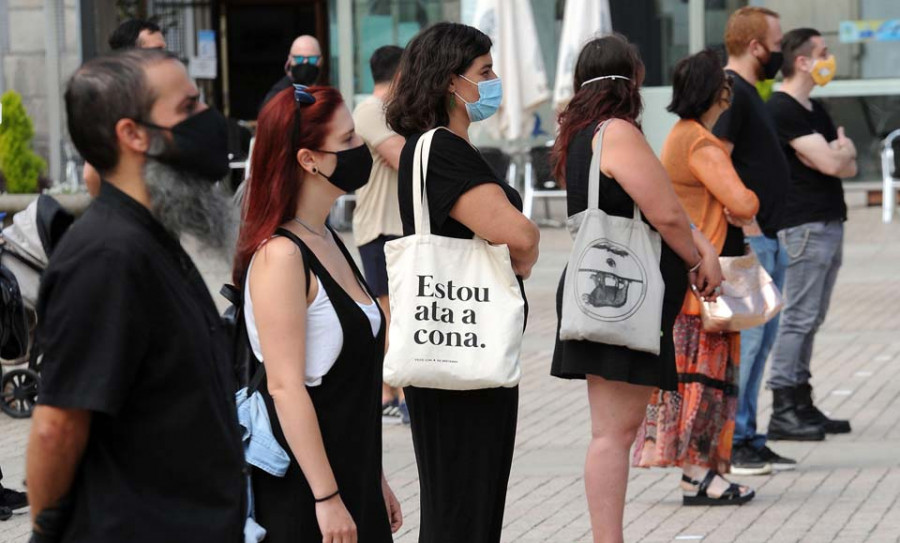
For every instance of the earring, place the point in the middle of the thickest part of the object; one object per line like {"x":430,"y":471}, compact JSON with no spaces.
{"x":452,"y":102}
{"x":315,"y":170}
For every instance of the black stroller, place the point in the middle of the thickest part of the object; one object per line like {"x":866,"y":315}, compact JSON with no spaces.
{"x":25,"y":248}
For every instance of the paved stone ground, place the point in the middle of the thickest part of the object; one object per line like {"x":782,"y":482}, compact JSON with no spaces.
{"x":847,"y":489}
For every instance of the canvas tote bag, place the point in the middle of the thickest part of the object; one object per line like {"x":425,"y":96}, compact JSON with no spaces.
{"x":457,"y":314}
{"x":749,"y":297}
{"x":613,"y":290}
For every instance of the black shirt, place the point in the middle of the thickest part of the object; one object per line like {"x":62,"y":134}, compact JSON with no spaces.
{"x":757,"y":155}
{"x":284,"y":83}
{"x":130,"y":333}
{"x":454,"y":167}
{"x":813,"y":195}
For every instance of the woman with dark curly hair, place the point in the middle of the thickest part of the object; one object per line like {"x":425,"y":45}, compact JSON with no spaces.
{"x":463,"y":439}
{"x":605,"y":109}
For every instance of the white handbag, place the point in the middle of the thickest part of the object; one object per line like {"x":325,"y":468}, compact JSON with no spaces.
{"x":613,"y":290}
{"x":457,"y":313}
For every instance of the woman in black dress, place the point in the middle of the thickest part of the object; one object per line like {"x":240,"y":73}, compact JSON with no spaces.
{"x":620,"y":381}
{"x":463,"y":440}
{"x":313,"y":322}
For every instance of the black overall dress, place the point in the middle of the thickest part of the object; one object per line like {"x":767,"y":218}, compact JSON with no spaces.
{"x":348,"y":408}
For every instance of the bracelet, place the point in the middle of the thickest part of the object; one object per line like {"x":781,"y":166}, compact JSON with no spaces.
{"x":696,"y":266}
{"x":328,"y":497}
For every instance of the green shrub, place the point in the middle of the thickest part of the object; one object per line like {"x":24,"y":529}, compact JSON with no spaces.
{"x":19,"y":163}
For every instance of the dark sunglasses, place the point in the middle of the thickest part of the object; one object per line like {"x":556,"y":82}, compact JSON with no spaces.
{"x":311,"y":59}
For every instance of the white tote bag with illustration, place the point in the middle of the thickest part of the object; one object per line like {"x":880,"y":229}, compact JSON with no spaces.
{"x":457,"y":314}
{"x":613,"y":291}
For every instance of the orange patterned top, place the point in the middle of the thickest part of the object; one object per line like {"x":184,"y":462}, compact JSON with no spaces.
{"x":706,"y":183}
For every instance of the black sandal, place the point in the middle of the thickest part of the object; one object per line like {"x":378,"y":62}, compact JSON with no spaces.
{"x":731,"y":496}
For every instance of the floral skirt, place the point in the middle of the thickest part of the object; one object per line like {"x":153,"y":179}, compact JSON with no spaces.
{"x":694,"y":424}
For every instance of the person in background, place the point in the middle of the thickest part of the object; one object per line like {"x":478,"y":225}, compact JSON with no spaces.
{"x":376,"y":219}
{"x":131,"y":34}
{"x":135,"y":436}
{"x":315,"y":325}
{"x":753,"y":40}
{"x":608,"y":77}
{"x":10,"y":500}
{"x":692,"y":427}
{"x":819,"y":155}
{"x":303,"y":66}
{"x":463,"y":440}
{"x":137,"y":33}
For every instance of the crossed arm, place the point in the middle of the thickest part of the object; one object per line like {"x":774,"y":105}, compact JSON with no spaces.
{"x":836,"y":158}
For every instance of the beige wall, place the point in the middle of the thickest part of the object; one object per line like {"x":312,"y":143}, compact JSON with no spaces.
{"x":23,"y":58}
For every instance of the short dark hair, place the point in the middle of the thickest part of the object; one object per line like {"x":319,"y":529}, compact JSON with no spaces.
{"x":419,"y":100}
{"x":126,"y":35}
{"x":384,"y":63}
{"x":697,"y":84}
{"x":796,"y":43}
{"x":103,"y":91}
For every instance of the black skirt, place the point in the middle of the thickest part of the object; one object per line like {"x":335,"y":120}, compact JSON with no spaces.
{"x":464,"y":444}
{"x":576,"y":359}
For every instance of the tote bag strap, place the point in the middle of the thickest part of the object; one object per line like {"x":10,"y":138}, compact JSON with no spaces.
{"x":421,"y":213}
{"x":594,"y":175}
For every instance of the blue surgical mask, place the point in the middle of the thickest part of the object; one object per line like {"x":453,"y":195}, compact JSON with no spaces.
{"x":490,"y":94}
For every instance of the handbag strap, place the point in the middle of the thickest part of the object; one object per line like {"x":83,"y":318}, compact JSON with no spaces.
{"x":594,"y":174}
{"x":421,"y":213}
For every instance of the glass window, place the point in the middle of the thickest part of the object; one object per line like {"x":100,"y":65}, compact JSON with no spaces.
{"x":391,"y":22}
{"x":864,"y":35}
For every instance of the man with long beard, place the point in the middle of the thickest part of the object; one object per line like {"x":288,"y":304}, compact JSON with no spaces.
{"x":135,"y":437}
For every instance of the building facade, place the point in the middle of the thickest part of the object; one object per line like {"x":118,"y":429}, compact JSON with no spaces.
{"x":251,"y":40}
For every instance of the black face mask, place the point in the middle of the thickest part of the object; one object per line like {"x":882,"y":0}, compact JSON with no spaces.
{"x":304,"y":74}
{"x":771,"y":66}
{"x":352,"y":170}
{"x":200,"y":145}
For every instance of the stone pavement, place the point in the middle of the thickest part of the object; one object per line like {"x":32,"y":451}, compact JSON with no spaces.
{"x":847,"y":488}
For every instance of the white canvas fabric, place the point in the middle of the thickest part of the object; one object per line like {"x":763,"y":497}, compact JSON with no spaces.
{"x":583,"y":20}
{"x":613,"y":291}
{"x":457,"y":314}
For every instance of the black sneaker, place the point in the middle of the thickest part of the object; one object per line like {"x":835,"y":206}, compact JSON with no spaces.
{"x":13,"y":500}
{"x":779,"y":463}
{"x":746,"y":460}
{"x":5,"y":513}
{"x":390,"y":412}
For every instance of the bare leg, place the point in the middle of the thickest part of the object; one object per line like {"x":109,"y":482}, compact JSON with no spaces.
{"x":617,"y":410}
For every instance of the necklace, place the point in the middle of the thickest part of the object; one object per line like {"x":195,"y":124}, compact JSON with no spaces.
{"x":310,"y":228}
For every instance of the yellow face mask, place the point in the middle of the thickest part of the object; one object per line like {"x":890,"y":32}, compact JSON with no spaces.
{"x":823,"y":70}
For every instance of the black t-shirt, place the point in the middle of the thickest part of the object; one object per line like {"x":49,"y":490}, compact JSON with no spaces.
{"x":757,"y":155}
{"x":813,"y":195}
{"x":454,"y":167}
{"x":130,"y":333}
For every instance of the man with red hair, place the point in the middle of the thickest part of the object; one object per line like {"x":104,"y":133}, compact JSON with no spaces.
{"x":753,"y":40}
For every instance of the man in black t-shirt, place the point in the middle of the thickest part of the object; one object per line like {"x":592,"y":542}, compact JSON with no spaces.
{"x":135,"y":437}
{"x":753,"y":39}
{"x":812,"y":229}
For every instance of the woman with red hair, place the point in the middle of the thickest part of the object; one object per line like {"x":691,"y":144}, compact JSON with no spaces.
{"x":313,"y":322}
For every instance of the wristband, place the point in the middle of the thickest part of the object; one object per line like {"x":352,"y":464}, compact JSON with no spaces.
{"x":328,"y":497}
{"x":696,"y":266}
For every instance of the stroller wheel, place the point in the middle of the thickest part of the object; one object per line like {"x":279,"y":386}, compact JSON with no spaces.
{"x":18,"y":393}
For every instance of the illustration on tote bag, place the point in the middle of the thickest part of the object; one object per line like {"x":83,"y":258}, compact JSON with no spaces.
{"x":612,"y":283}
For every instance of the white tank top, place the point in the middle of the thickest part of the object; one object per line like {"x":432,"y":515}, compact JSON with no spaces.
{"x":324,"y":336}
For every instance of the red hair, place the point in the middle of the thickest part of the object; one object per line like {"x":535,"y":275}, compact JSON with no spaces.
{"x":599,"y":100}
{"x":270,"y":198}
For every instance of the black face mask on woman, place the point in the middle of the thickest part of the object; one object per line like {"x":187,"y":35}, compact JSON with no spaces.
{"x":199,"y":145}
{"x":352,"y":170}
